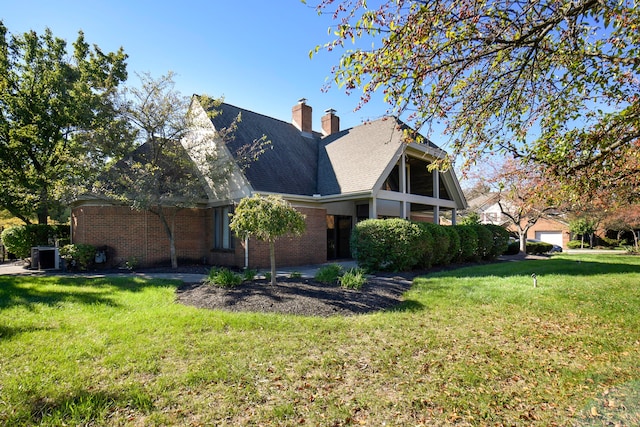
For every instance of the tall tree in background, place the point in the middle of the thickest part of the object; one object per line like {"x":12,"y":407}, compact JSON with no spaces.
{"x":179,"y":161}
{"x":52,"y":104}
{"x":553,"y":82}
{"x":623,"y":220}
{"x":526,"y":196}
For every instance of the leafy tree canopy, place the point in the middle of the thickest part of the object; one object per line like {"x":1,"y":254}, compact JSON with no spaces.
{"x":555,"y":82}
{"x":57,"y":117}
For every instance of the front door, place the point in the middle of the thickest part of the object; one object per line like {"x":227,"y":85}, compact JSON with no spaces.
{"x":338,"y":236}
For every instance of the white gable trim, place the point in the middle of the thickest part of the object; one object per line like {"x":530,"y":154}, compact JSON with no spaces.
{"x":203,"y":138}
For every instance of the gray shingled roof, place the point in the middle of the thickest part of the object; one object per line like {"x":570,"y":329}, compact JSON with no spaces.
{"x":288,"y":166}
{"x":349,"y":161}
{"x":353,"y":160}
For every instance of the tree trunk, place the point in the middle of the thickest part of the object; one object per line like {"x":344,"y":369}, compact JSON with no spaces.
{"x":43,"y":207}
{"x":169,"y":228}
{"x":272,"y":257}
{"x":523,"y":242}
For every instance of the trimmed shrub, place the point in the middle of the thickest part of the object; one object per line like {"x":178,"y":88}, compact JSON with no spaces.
{"x":16,"y":240}
{"x":80,"y":256}
{"x":612,"y":243}
{"x":441,"y":242}
{"x":454,"y":244}
{"x":468,"y":243}
{"x":485,"y":241}
{"x":513,"y":248}
{"x":386,"y":244}
{"x":425,"y":247}
{"x":538,"y":248}
{"x":19,"y":240}
{"x":500,"y":240}
{"x":577,"y":244}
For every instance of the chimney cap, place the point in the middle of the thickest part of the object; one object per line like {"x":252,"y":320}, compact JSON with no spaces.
{"x":302,"y":101}
{"x":330,"y":111}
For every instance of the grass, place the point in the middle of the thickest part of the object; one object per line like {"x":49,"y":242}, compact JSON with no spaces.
{"x":473,"y":346}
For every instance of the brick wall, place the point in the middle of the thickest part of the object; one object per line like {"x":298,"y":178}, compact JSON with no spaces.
{"x":129,"y":233}
{"x":544,"y":224}
{"x":310,"y":248}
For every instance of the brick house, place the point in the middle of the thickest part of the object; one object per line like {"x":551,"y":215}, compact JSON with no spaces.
{"x":334,"y":177}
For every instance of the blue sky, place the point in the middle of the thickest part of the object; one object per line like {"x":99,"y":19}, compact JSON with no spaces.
{"x":254,"y":53}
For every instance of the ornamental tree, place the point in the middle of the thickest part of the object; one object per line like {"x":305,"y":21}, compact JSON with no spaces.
{"x":526,"y":195}
{"x":551,"y":82}
{"x":58,"y":120}
{"x":584,"y":226}
{"x":267,"y":219}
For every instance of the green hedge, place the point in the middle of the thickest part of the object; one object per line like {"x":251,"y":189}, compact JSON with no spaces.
{"x":390,"y":245}
{"x":500,"y":237}
{"x":401,"y":245}
{"x":485,"y":241}
{"x":577,"y":244}
{"x":538,"y":248}
{"x":513,"y":248}
{"x":454,"y":244}
{"x":441,"y":242}
{"x":20,"y":239}
{"x":468,"y":243}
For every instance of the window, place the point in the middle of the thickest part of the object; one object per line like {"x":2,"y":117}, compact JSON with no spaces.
{"x":222,"y":237}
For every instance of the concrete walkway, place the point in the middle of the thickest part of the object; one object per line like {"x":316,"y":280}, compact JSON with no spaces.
{"x":16,"y":268}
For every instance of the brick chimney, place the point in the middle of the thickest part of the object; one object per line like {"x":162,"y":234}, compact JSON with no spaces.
{"x":301,"y":113}
{"x":330,"y":122}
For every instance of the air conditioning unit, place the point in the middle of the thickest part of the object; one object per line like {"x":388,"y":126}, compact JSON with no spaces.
{"x":45,"y":258}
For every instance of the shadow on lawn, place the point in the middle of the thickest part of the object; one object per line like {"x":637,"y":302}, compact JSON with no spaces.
{"x":86,"y":407}
{"x":559,"y":266}
{"x":29,"y":291}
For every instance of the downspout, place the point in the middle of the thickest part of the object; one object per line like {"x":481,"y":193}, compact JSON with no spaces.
{"x":246,"y":253}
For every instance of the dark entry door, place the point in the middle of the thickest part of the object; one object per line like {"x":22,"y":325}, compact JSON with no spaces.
{"x":338,"y":236}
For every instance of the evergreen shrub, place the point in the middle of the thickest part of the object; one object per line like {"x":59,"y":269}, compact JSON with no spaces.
{"x":500,"y":240}
{"x":454,"y":245}
{"x":577,"y":244}
{"x":468,"y":243}
{"x":441,"y":242}
{"x":20,"y":239}
{"x":485,"y":241}
{"x":80,"y":256}
{"x":387,"y":245}
{"x":538,"y":248}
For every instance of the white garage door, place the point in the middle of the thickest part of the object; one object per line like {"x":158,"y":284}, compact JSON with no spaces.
{"x":553,"y":237}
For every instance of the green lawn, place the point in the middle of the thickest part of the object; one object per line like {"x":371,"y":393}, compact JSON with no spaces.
{"x":473,"y":346}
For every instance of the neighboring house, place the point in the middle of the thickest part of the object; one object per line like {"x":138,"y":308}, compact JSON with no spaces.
{"x":549,"y":228}
{"x":487,"y":208}
{"x":335,"y":177}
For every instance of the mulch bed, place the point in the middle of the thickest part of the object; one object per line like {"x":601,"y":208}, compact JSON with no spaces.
{"x":299,"y":296}
{"x":308,"y":297}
